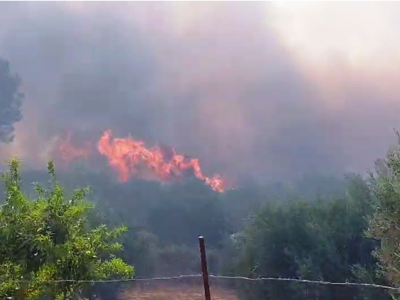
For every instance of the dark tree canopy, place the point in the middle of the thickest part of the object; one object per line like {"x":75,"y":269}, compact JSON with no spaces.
{"x":10,"y":102}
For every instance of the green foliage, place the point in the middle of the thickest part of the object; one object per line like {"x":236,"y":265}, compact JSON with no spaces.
{"x":385,"y":223}
{"x":10,"y":102}
{"x":319,"y":240}
{"x":48,"y":239}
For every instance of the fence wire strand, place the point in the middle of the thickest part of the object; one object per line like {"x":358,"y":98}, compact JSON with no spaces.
{"x":317,"y":282}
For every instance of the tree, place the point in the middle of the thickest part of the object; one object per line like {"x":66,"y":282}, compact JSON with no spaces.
{"x":190,"y":209}
{"x":10,"y":102}
{"x":48,"y":240}
{"x":384,"y":225}
{"x":316,"y":240}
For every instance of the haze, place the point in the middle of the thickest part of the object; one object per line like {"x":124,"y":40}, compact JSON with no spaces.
{"x":251,"y":88}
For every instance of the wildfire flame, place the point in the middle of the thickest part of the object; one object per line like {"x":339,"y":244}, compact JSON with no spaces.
{"x":68,"y":152}
{"x":128,"y":156}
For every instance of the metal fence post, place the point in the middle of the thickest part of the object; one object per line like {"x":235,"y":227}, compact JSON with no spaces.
{"x":204,"y":270}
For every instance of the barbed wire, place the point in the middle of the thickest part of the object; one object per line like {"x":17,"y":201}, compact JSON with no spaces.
{"x":319,"y":282}
{"x":117,"y":280}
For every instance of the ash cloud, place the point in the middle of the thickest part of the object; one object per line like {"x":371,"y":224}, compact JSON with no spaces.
{"x":215,"y":80}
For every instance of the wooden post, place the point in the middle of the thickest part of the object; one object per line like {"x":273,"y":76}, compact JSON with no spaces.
{"x":204,"y":270}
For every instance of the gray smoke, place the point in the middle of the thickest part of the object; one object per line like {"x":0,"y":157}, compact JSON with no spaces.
{"x":224,"y":89}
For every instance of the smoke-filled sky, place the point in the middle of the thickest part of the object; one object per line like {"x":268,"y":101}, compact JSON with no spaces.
{"x":250,"y":88}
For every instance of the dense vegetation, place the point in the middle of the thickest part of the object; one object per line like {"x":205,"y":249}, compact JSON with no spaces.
{"x":310,"y":229}
{"x":49,"y":239}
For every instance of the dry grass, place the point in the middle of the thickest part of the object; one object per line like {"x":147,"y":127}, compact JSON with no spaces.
{"x":176,"y":291}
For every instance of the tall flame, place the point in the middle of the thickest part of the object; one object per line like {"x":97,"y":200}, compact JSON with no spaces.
{"x":128,"y":156}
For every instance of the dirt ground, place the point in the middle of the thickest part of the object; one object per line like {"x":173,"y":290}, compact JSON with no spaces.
{"x":175,"y":292}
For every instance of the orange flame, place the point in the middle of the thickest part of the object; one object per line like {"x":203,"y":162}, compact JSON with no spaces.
{"x":127,"y":156}
{"x":68,"y":152}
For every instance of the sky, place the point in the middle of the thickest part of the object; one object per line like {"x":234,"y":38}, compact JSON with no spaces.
{"x":250,"y":88}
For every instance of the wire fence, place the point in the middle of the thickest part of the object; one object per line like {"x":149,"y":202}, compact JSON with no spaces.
{"x":197,"y":287}
{"x":167,"y":278}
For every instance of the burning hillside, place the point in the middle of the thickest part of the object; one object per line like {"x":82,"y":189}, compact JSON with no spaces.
{"x":131,"y":158}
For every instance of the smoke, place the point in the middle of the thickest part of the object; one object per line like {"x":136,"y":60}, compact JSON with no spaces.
{"x":249,"y":88}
